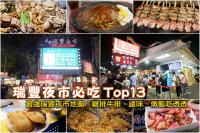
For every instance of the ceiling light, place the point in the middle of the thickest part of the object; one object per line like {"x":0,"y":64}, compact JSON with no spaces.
{"x":162,"y":56}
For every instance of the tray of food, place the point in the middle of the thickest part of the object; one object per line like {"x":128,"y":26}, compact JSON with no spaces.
{"x":166,"y":16}
{"x":170,"y":119}
{"x":28,"y":120}
{"x":99,"y":120}
{"x":46,"y":16}
{"x":103,"y":17}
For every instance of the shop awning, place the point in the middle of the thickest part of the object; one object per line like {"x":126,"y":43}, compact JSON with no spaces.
{"x":170,"y":51}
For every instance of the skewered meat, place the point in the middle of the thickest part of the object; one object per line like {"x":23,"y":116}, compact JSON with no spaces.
{"x":137,"y":12}
{"x":147,"y":7}
{"x":167,"y":17}
{"x":180,"y":26}
{"x":152,"y":24}
{"x":135,"y":20}
{"x":160,"y":23}
{"x":165,"y":25}
{"x":195,"y":27}
{"x":143,"y":15}
{"x":140,"y":22}
{"x":188,"y":27}
{"x":146,"y":21}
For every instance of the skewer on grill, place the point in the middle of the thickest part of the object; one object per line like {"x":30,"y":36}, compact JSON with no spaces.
{"x":167,"y":17}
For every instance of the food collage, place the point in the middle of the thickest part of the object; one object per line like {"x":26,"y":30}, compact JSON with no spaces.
{"x":99,"y":66}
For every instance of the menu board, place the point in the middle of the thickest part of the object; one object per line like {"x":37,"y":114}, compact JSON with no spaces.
{"x":175,"y":66}
{"x":60,"y":58}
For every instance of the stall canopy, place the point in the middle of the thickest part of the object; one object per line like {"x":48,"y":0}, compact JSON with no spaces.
{"x":170,"y":51}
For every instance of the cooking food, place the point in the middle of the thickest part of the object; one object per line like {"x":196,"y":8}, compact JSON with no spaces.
{"x":168,"y":118}
{"x":26,"y":121}
{"x":32,"y":16}
{"x":103,"y":16}
{"x":168,"y":16}
{"x":101,"y":120}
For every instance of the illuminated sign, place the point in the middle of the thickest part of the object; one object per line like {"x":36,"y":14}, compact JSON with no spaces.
{"x":126,"y":48}
{"x":50,"y":77}
{"x":175,"y":66}
{"x":60,"y":42}
{"x":124,"y":59}
{"x":60,"y":59}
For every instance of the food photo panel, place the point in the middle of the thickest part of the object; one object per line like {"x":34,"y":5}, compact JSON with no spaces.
{"x":16,"y":117}
{"x":99,"y":16}
{"x":166,"y":16}
{"x":149,"y":66}
{"x":49,"y":66}
{"x":33,"y":16}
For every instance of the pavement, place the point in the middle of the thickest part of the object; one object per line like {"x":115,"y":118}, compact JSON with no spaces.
{"x":193,"y":93}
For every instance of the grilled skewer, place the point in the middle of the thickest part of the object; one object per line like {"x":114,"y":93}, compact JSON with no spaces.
{"x":168,"y":16}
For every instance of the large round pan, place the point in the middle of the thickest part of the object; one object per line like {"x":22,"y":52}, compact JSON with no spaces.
{"x":93,"y":30}
{"x":124,"y":105}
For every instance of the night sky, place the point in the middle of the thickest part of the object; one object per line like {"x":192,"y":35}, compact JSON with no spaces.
{"x":29,"y":43}
{"x":146,"y":40}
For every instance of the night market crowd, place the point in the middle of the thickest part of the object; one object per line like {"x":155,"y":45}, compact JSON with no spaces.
{"x":167,"y":84}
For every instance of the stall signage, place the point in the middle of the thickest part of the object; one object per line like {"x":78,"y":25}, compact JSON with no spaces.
{"x":62,"y":42}
{"x":60,"y":58}
{"x":126,"y":48}
{"x":124,"y":59}
{"x":52,"y":77}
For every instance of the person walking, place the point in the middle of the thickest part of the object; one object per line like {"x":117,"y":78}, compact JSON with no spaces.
{"x":126,"y":83}
{"x":183,"y":81}
{"x":133,"y":80}
{"x":176,"y":90}
{"x":157,"y":85}
{"x":164,"y":88}
{"x":145,"y":84}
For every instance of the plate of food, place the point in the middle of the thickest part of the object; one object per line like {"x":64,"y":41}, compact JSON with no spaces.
{"x":169,"y":119}
{"x":29,"y":120}
{"x":103,"y":17}
{"x":46,"y":16}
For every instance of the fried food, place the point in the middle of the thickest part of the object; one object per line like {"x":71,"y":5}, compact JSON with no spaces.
{"x":19,"y":122}
{"x":36,"y":117}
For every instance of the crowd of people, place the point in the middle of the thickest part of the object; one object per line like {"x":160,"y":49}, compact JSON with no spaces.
{"x":167,"y":84}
